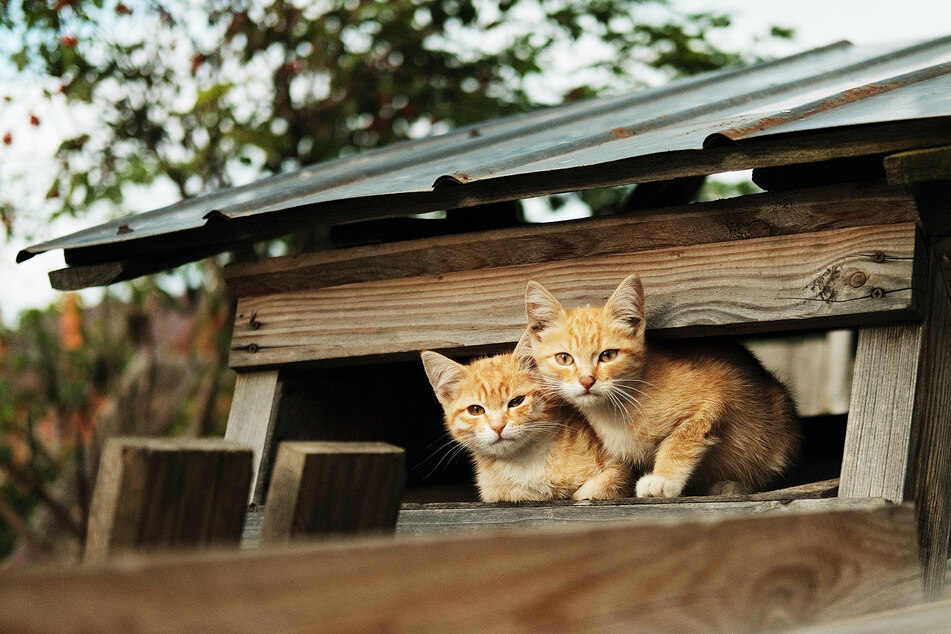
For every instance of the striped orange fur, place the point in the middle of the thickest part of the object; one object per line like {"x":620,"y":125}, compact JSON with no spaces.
{"x":702,"y":416}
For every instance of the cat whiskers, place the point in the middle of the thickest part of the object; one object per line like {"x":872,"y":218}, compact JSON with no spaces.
{"x":455,"y":448}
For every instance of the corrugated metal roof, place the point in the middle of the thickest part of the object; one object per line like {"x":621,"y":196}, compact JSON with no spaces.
{"x":832,"y":87}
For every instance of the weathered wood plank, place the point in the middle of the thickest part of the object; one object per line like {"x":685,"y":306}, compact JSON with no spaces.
{"x":898,"y":438}
{"x":431,"y":518}
{"x":755,"y":216}
{"x":839,"y":277}
{"x":425,"y":519}
{"x":167,"y":493}
{"x":916,"y":166}
{"x":745,"y":574}
{"x":325,"y":488}
{"x":252,"y":419}
{"x":879,"y":434}
{"x":929,"y":617}
{"x":932,"y":474}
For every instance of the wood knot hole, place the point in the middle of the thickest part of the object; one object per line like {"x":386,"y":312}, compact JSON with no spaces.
{"x":858,"y":279}
{"x":759,"y":229}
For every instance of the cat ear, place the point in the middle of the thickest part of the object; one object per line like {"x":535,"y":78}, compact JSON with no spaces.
{"x":444,"y":374}
{"x":626,"y":304}
{"x":523,"y":350}
{"x":541,"y":307}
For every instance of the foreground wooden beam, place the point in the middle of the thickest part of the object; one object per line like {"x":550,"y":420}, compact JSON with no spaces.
{"x":748,"y":574}
{"x":155,"y":493}
{"x":326,"y":488}
{"x":830,"y":278}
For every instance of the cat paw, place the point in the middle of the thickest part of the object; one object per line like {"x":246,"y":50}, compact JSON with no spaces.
{"x":655,"y":486}
{"x":728,"y":487}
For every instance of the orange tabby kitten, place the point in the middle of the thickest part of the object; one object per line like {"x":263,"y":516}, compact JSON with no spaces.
{"x":705,"y":414}
{"x":525,"y":445}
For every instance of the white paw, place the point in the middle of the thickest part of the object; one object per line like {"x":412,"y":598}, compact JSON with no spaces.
{"x":727,"y":487}
{"x":655,"y":486}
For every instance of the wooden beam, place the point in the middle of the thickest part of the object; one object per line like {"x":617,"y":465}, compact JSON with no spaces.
{"x":742,"y":574}
{"x":252,"y":420}
{"x":326,"y":488}
{"x":917,"y":166}
{"x":757,"y":216}
{"x":927,"y":617}
{"x":154,"y":493}
{"x":830,"y":278}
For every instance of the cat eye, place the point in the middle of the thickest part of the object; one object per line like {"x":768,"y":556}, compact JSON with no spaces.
{"x":563,"y":358}
{"x":515,"y":402}
{"x":608,"y":355}
{"x":476,"y":410}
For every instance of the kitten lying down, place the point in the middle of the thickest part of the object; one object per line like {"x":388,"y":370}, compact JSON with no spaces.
{"x":524,"y":443}
{"x":704,"y":415}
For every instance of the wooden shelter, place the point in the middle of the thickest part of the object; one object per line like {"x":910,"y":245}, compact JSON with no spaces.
{"x":852,"y":146}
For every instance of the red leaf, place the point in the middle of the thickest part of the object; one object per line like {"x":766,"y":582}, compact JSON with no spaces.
{"x":7,"y":138}
{"x":68,"y":41}
{"x":34,"y":120}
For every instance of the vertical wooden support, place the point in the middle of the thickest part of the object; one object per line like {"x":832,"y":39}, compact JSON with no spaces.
{"x":320,"y":488}
{"x":252,"y":420}
{"x":161,"y":493}
{"x":898,"y":439}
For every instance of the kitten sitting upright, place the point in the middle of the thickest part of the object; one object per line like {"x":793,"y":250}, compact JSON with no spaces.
{"x":709,"y":415}
{"x":524,"y":443}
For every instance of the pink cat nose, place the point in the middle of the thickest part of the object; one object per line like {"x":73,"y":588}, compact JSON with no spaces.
{"x":587,"y":381}
{"x":498,"y":428}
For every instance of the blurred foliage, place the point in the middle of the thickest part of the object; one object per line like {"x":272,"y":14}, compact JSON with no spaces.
{"x":209,"y":94}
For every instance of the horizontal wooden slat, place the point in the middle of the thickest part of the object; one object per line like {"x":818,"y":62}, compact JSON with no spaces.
{"x":460,"y":518}
{"x":743,"y":574}
{"x":755,"y":216}
{"x":840,"y":277}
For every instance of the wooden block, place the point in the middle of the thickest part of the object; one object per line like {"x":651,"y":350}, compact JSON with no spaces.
{"x":916,"y":166}
{"x":839,"y":278}
{"x":155,"y":493}
{"x":757,"y":216}
{"x":321,"y":488}
{"x":252,"y":420}
{"x":746,"y":574}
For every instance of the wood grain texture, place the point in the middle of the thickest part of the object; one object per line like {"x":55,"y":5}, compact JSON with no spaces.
{"x":898,"y":440}
{"x":167,"y":493}
{"x":424,"y":519}
{"x":929,"y":617}
{"x":746,"y":574}
{"x":916,"y":166}
{"x":880,"y":431}
{"x":325,"y":488}
{"x":932,"y":472}
{"x":807,"y":280}
{"x":441,"y":517}
{"x":760,"y":215}
{"x":252,"y":419}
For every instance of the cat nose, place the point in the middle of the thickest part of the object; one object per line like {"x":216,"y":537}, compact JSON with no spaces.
{"x":497,"y":427}
{"x":587,"y":381}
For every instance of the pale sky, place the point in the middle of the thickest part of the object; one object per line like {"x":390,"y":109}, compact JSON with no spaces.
{"x":817,"y":23}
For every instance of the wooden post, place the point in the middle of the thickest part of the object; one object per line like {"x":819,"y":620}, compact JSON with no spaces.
{"x":252,"y":420}
{"x":320,"y":488}
{"x":159,"y":493}
{"x":898,"y":439}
